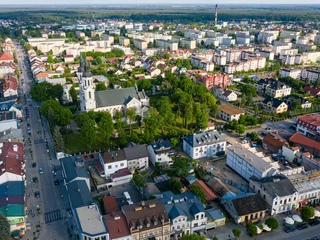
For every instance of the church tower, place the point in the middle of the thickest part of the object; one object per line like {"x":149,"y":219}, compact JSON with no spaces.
{"x":87,"y":97}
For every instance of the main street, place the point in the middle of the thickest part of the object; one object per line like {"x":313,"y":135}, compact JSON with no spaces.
{"x":48,"y":222}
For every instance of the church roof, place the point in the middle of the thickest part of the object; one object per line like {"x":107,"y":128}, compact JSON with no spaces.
{"x":114,"y":97}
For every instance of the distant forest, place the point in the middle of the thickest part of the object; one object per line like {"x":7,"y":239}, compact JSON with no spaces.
{"x":284,"y":13}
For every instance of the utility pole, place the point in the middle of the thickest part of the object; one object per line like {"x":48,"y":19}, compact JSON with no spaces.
{"x":216,"y":16}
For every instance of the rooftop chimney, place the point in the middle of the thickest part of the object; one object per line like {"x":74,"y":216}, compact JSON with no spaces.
{"x":15,"y":147}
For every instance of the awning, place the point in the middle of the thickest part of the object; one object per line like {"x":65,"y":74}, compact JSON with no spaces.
{"x":304,"y":201}
{"x":15,"y":234}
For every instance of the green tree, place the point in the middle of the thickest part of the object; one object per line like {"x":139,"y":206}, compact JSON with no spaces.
{"x":101,"y":86}
{"x":272,"y":223}
{"x":81,"y":119}
{"x":243,"y":100}
{"x":105,"y":126}
{"x":41,"y":92}
{"x":50,"y":104}
{"x":131,"y":116}
{"x":57,"y":140}
{"x":307,"y":212}
{"x":164,"y":107}
{"x":236,"y":232}
{"x":175,"y":185}
{"x":151,"y":124}
{"x":182,"y":166}
{"x":51,"y":119}
{"x":175,"y":142}
{"x":73,"y":94}
{"x":139,"y":180}
{"x":50,"y":59}
{"x":241,"y":129}
{"x":4,"y":227}
{"x":251,"y":229}
{"x":192,"y":236}
{"x":88,"y":131}
{"x":197,"y":190}
{"x":118,"y":118}
{"x":63,"y":117}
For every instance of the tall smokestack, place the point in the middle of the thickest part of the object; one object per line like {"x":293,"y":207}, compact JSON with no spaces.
{"x":216,"y":16}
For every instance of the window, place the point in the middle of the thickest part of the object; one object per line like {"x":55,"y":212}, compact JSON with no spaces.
{"x":89,"y":95}
{"x":275,"y":203}
{"x":109,"y":167}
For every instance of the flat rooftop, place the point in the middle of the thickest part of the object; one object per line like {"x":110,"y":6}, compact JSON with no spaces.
{"x":254,"y":158}
{"x":91,"y":220}
{"x":305,"y":182}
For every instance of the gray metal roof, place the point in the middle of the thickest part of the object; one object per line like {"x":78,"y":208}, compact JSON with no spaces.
{"x":71,"y":170}
{"x":79,"y":194}
{"x":203,"y":139}
{"x":115,"y":97}
{"x":136,"y":152}
{"x":277,"y":185}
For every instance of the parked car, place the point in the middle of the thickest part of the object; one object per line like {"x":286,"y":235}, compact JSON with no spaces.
{"x":37,"y":194}
{"x":35,"y":179}
{"x":40,"y":170}
{"x":289,"y":229}
{"x":302,"y":226}
{"x":34,"y":164}
{"x":314,"y":222}
{"x":56,"y":182}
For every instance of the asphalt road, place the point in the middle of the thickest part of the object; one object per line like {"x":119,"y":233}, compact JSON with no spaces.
{"x":50,"y":223}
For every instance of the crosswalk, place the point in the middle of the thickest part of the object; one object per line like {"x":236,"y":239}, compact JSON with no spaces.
{"x":52,"y":216}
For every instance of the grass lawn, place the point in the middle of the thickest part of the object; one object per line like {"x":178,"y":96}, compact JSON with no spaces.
{"x":78,"y":143}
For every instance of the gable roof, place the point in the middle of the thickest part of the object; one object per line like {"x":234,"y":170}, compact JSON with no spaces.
{"x":73,"y":168}
{"x":311,"y":90}
{"x":79,"y":194}
{"x":272,"y":141}
{"x":229,"y":109}
{"x":202,"y":139}
{"x":13,"y":210}
{"x":12,"y":156}
{"x":277,"y":185}
{"x":115,"y":96}
{"x":209,"y":194}
{"x":249,"y":204}
{"x":110,"y":204}
{"x":136,"y":151}
{"x":117,"y":225}
{"x":5,"y":56}
{"x":12,"y":188}
{"x":274,"y":101}
{"x":300,"y":139}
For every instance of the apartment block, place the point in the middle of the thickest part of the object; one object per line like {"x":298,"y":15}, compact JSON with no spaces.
{"x":295,"y":73}
{"x":310,"y":75}
{"x":246,"y":65}
{"x":140,"y":44}
{"x":214,"y":80}
{"x":202,"y":62}
{"x":233,"y":55}
{"x":167,"y":45}
{"x":220,"y":59}
{"x":188,"y":43}
{"x":124,"y":41}
{"x":229,"y":113}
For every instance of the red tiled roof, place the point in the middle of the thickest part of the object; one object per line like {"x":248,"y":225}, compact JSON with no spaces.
{"x":273,"y":141}
{"x":12,"y":160}
{"x":209,"y":194}
{"x":311,"y":119}
{"x":99,"y":167}
{"x":300,"y":139}
{"x":13,"y":83}
{"x":110,"y":204}
{"x":121,"y":173}
{"x":312,"y":91}
{"x":6,"y":56}
{"x":117,"y":225}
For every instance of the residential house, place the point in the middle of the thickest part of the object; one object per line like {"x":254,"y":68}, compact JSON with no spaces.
{"x":306,"y":144}
{"x":304,"y":102}
{"x":10,"y":86}
{"x":68,"y":58}
{"x":206,"y":144}
{"x":309,"y":125}
{"x":245,"y":208}
{"x":219,"y":187}
{"x":225,"y":95}
{"x":206,"y":190}
{"x":137,"y":157}
{"x":12,"y":205}
{"x":313,"y":91}
{"x":229,"y":113}
{"x":277,"y":191}
{"x":11,"y":134}
{"x":275,"y":105}
{"x":122,"y":176}
{"x":247,"y":162}
{"x":147,"y":219}
{"x":214,"y":80}
{"x":12,"y":163}
{"x":272,"y":87}
{"x":73,"y":169}
{"x":6,"y":57}
{"x":113,"y":161}
{"x":110,"y":204}
{"x":272,"y":144}
{"x":186,"y":214}
{"x":7,"y":68}
{"x":161,"y":152}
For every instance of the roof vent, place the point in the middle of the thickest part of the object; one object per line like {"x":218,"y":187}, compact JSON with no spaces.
{"x":143,"y":203}
{"x":138,"y":209}
{"x":79,"y":190}
{"x":153,"y":205}
{"x":15,"y":147}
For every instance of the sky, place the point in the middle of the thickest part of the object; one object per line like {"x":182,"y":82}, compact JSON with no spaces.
{"x":175,"y":2}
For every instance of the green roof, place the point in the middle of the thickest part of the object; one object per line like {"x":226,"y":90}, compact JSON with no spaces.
{"x":14,"y":210}
{"x":115,"y":97}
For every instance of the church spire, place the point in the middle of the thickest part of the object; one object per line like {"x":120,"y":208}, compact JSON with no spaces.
{"x":87,"y":71}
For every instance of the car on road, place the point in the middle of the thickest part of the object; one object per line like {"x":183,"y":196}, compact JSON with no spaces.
{"x":314,"y":222}
{"x":35,"y":179}
{"x":39,"y":132}
{"x":289,"y":229}
{"x":40,"y":170}
{"x":56,"y":182}
{"x":37,"y":194}
{"x":34,"y":164}
{"x":229,"y":144}
{"x":92,"y":189}
{"x":268,"y":128}
{"x":293,"y":127}
{"x":302,"y":226}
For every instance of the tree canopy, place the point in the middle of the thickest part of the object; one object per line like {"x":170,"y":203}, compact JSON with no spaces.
{"x":45,"y":91}
{"x":307,"y":212}
{"x":182,"y":166}
{"x":4,"y":227}
{"x":197,"y":190}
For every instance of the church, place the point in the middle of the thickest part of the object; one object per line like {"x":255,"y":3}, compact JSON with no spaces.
{"x":108,"y":100}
